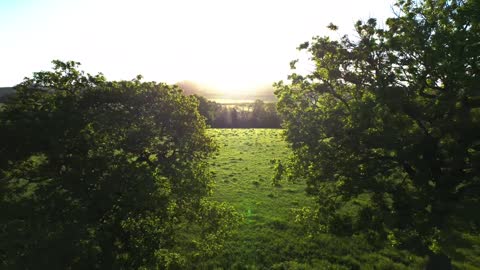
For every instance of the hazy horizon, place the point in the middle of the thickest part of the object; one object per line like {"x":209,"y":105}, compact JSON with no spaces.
{"x":229,"y":47}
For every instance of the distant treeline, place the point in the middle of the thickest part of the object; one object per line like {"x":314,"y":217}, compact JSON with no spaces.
{"x":258,"y":114}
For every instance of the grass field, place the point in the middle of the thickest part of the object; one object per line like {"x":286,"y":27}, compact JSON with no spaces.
{"x":269,"y":237}
{"x":243,"y":169}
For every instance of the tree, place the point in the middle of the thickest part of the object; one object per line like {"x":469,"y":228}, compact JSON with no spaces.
{"x":386,"y":129}
{"x":222,"y":119}
{"x":104,"y":175}
{"x":5,"y":93}
{"x":234,"y":117}
{"x":258,"y":113}
{"x":206,"y":108}
{"x":272,"y":119}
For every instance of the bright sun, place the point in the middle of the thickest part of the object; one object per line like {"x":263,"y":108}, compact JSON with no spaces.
{"x":232,"y":46}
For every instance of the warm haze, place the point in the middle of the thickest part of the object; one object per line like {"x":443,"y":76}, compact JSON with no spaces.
{"x":229,"y":46}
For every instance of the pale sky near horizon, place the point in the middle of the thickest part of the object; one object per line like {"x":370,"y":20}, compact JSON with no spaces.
{"x":228,"y":45}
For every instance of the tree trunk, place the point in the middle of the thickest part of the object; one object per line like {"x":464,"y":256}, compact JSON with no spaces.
{"x":438,"y":262}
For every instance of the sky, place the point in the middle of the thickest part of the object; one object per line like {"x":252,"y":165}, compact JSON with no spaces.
{"x":228,"y":45}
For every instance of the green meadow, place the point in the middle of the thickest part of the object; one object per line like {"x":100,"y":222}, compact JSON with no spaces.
{"x":243,"y":170}
{"x":269,"y":236}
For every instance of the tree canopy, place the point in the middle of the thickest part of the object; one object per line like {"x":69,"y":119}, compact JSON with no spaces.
{"x":98,"y":174}
{"x":386,"y":128}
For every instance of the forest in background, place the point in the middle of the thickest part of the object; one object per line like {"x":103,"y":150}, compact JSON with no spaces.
{"x":256,"y":114}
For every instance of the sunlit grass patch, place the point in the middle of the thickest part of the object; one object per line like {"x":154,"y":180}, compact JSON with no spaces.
{"x":269,"y":237}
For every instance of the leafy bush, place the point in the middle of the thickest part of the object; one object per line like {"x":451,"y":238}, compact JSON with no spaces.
{"x":386,"y":128}
{"x":104,"y":175}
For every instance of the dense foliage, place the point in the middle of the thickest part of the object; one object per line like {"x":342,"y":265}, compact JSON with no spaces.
{"x":5,"y":93}
{"x":386,"y":129}
{"x":105,"y":175}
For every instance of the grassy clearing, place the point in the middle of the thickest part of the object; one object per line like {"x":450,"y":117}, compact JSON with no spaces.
{"x":269,"y":237}
{"x":243,"y":169}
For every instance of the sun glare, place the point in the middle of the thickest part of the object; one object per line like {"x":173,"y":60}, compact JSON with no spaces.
{"x":233,"y":47}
